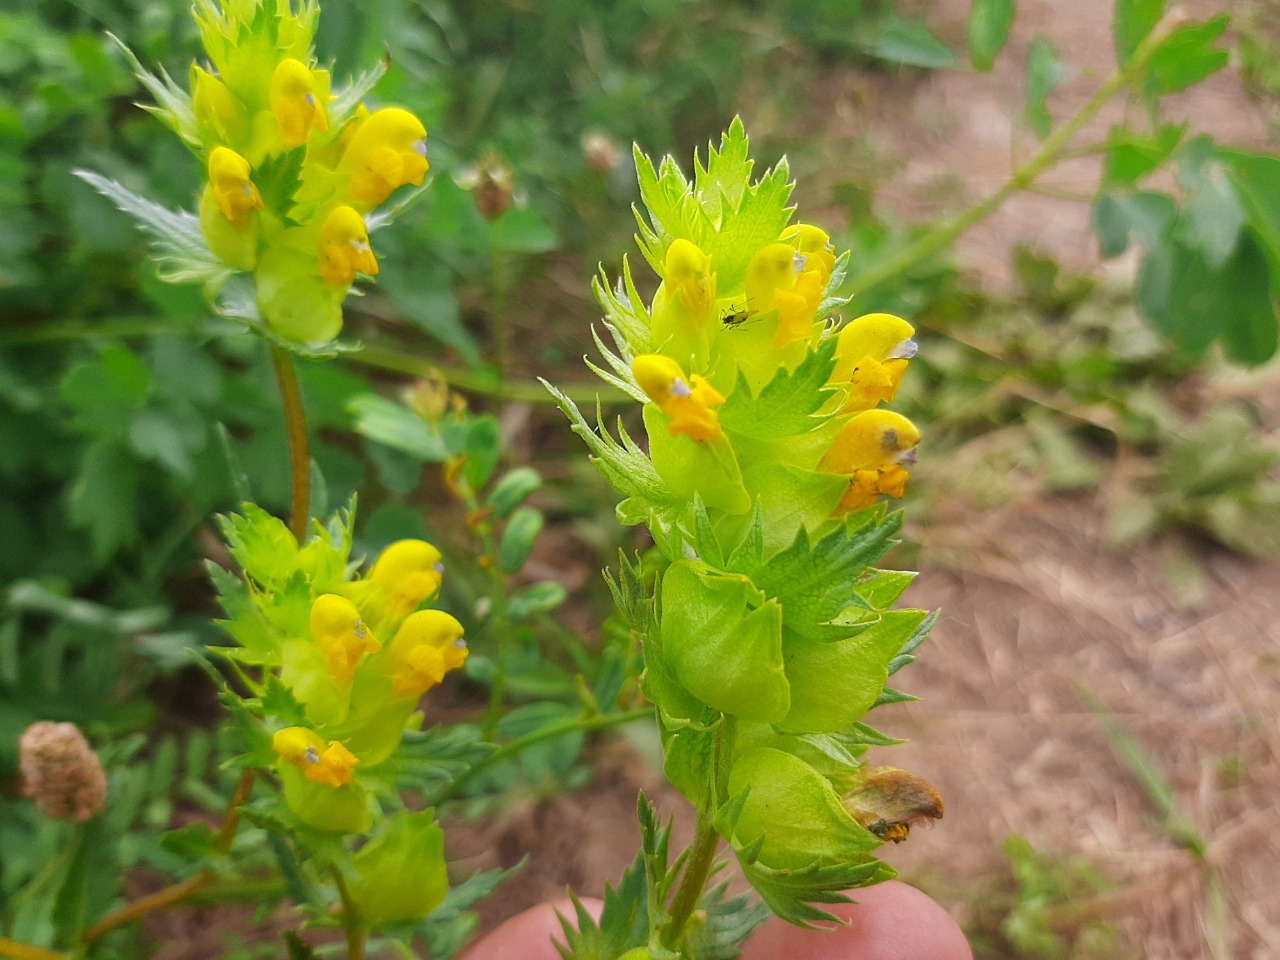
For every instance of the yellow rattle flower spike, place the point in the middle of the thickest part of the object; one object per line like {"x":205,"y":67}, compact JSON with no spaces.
{"x":233,"y":191}
{"x":295,"y":105}
{"x":341,"y":634}
{"x":870,"y":449}
{"x":344,"y":248}
{"x":328,"y":763}
{"x":388,"y":150}
{"x":687,"y":402}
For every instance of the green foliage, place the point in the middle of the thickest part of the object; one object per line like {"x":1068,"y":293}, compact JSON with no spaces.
{"x":1044,"y":73}
{"x":1047,"y":886}
{"x":989,"y":23}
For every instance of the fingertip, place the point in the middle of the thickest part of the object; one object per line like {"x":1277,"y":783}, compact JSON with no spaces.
{"x":529,"y":935}
{"x":890,"y":921}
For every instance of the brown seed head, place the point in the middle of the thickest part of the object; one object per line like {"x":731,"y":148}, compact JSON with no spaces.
{"x":60,"y":772}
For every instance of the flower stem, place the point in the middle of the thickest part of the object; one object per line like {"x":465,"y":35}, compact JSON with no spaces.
{"x":1022,"y":178}
{"x":295,"y":421}
{"x":583,"y":724}
{"x":350,"y":918}
{"x":697,"y":867}
{"x":178,"y":892}
{"x":16,"y":950}
{"x":701,"y":855}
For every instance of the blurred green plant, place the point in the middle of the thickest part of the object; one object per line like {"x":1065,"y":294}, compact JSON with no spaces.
{"x":1049,"y":907}
{"x":1211,"y":265}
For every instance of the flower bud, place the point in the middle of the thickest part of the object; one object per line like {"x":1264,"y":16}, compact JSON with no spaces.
{"x":601,"y":152}
{"x":401,"y":870}
{"x":295,"y":100}
{"x":60,"y":772}
{"x":494,"y":186}
{"x":406,"y":573}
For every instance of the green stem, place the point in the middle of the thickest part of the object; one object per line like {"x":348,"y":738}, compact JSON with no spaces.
{"x":351,"y":924}
{"x":399,"y":361}
{"x":697,"y":867}
{"x":378,"y":358}
{"x":1051,"y":151}
{"x":701,"y":855}
{"x":17,"y":950}
{"x":179,"y":892}
{"x":583,"y":724}
{"x":295,"y":421}
{"x":500,"y":283}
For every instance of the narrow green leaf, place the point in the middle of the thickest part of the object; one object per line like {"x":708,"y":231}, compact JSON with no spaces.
{"x":396,"y":426}
{"x":1250,"y":332}
{"x":911,"y":43}
{"x":1256,"y":178}
{"x":518,"y":538}
{"x":989,"y":22}
{"x":177,"y":243}
{"x":1133,"y":20}
{"x":509,"y":492}
{"x":1044,"y":72}
{"x":1132,"y":156}
{"x":541,"y":597}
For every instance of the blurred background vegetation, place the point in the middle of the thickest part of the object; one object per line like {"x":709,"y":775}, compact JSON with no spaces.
{"x":128,"y":417}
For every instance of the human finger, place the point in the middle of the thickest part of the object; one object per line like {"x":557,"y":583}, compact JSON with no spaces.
{"x":890,"y":921}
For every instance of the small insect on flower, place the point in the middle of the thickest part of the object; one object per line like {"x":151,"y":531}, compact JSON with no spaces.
{"x":888,"y":801}
{"x":735,"y":314}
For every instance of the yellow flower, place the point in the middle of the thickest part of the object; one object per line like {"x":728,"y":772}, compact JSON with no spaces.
{"x":216,"y":108}
{"x":816,"y":246}
{"x":781,"y":277}
{"x":427,"y":646}
{"x":295,"y":104}
{"x":328,"y":763}
{"x":387,"y":151}
{"x":687,"y":402}
{"x":687,"y":271}
{"x":341,"y":634}
{"x":344,"y":248}
{"x":233,"y":191}
{"x":407,"y":572}
{"x":872,"y":353}
{"x":870,"y":449}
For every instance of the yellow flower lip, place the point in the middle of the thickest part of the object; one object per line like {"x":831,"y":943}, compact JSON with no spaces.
{"x":328,"y":763}
{"x":687,"y":402}
{"x":233,"y":190}
{"x":427,"y":646}
{"x":344,"y":247}
{"x":341,"y":634}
